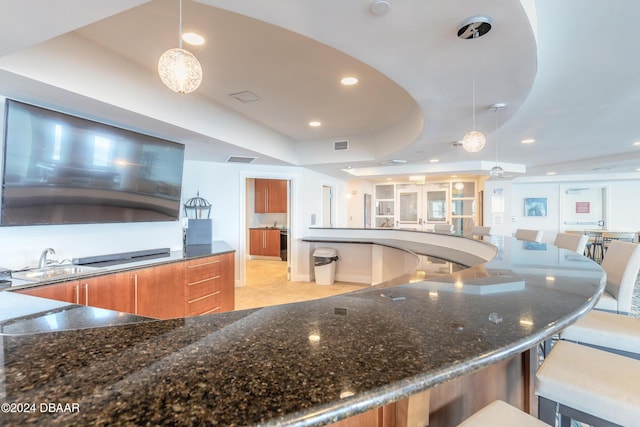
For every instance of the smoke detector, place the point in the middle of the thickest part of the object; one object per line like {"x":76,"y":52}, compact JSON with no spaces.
{"x":380,"y":7}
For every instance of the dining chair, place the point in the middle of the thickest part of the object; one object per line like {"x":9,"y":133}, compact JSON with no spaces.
{"x":621,"y":263}
{"x":573,"y":242}
{"x":478,"y":230}
{"x":529,"y":235}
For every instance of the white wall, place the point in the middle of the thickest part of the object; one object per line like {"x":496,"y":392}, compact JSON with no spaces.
{"x":222,"y":184}
{"x":623,"y":202}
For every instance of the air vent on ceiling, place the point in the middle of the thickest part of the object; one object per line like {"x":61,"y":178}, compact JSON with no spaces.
{"x":340,"y":145}
{"x":240,"y":159}
{"x":245,"y":96}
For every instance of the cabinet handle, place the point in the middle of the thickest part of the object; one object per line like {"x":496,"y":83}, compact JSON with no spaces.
{"x":264,"y":239}
{"x":86,"y":294}
{"x":135,"y":293}
{"x":77,"y":294}
{"x":204,"y":263}
{"x":266,"y":200}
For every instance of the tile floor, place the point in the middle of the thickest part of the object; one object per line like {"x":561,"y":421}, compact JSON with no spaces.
{"x":267,"y":284}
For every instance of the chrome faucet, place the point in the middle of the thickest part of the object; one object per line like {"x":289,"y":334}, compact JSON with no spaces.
{"x":43,"y":257}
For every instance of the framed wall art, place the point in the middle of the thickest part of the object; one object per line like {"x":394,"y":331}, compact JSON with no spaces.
{"x":535,"y":206}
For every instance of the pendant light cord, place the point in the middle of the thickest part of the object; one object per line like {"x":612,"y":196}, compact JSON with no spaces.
{"x":180,"y":28}
{"x":473,"y":82}
{"x":496,"y":131}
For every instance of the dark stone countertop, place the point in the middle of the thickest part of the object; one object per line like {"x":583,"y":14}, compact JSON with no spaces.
{"x":307,"y":363}
{"x":217,"y":247}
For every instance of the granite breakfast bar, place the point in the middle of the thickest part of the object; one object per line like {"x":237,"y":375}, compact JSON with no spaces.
{"x":309,"y":363}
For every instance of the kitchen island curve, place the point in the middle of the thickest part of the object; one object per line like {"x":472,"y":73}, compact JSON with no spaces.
{"x":308,"y":363}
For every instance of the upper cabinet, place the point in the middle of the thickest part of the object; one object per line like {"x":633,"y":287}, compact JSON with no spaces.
{"x":270,"y":196}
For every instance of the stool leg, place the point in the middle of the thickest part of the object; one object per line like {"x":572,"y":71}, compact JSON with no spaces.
{"x":565,"y":421}
{"x":547,"y":411}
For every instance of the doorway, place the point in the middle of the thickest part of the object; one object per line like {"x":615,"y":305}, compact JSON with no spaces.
{"x":267,"y":225}
{"x":584,"y":208}
{"x":327,"y":206}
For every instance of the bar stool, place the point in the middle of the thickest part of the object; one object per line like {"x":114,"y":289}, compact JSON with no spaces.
{"x":606,"y":331}
{"x":588,"y":385}
{"x":501,"y":414}
{"x":478,"y":230}
{"x":571,"y":241}
{"x":595,"y":245}
{"x":529,"y":235}
{"x":622,"y":264}
{"x":443,"y":228}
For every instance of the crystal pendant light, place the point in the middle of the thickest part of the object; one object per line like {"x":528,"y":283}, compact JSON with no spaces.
{"x":473,"y":28}
{"x":179,"y":69}
{"x":497,"y":171}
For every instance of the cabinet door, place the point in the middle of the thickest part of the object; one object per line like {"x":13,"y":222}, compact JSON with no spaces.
{"x":272,"y":243}
{"x":261,"y":189}
{"x":270,"y":196}
{"x":67,"y":292}
{"x":277,"y":196}
{"x":256,"y":242}
{"x":159,"y":291}
{"x":111,"y":291}
{"x":227,"y":282}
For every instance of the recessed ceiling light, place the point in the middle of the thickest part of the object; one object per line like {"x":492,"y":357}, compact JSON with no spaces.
{"x":193,"y":38}
{"x":637,"y":169}
{"x":636,"y":144}
{"x":349,"y":81}
{"x":551,"y":173}
{"x":528,"y":141}
{"x":434,"y":161}
{"x":315,"y":123}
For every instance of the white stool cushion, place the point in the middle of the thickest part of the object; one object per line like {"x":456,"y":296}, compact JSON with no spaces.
{"x":501,"y":414}
{"x":609,"y":330}
{"x":599,"y":383}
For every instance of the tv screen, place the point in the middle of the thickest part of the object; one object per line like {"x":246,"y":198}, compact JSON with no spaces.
{"x":62,"y":169}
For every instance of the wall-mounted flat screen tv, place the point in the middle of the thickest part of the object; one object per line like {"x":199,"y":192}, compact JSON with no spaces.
{"x":63,"y":169}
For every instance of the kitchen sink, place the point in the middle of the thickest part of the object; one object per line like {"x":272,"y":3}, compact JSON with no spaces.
{"x":47,"y":273}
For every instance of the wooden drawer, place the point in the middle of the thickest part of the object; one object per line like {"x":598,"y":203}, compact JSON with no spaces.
{"x":202,"y":287}
{"x":202,"y":268}
{"x":203,"y":304}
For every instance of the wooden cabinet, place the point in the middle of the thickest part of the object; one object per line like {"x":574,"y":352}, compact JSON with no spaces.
{"x":209,"y":285}
{"x":202,"y":286}
{"x":270,"y":196}
{"x":111,"y":291}
{"x":198,"y":286}
{"x":67,"y":292}
{"x":264,"y":242}
{"x":158,"y":291}
{"x":227,"y":282}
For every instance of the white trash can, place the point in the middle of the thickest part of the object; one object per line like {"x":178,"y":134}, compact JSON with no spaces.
{"x":324,"y":261}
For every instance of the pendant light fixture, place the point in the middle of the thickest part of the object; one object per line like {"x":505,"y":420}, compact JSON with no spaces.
{"x":472,"y":29}
{"x":179,"y":69}
{"x":497,"y":171}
